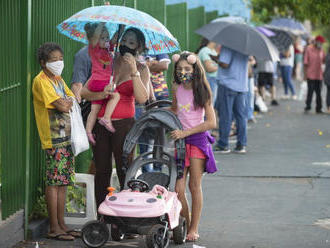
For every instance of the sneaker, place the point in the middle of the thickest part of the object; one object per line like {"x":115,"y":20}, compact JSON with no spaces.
{"x":319,"y":112}
{"x":274,"y":103}
{"x":240,"y":149}
{"x":294,"y":97}
{"x":285,"y":97}
{"x":221,"y":150}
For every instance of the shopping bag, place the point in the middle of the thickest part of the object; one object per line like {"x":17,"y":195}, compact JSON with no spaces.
{"x":79,"y":140}
{"x":303,"y":90}
{"x":261,"y":104}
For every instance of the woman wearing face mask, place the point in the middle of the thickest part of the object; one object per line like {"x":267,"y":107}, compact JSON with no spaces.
{"x":132,"y":81}
{"x":51,"y":108}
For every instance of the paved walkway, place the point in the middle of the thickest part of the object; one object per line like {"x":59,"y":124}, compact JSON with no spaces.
{"x":275,"y":196}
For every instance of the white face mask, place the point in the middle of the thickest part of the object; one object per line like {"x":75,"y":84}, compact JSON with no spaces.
{"x":55,"y":67}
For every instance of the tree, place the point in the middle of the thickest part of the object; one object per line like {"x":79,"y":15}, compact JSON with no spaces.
{"x":317,"y":11}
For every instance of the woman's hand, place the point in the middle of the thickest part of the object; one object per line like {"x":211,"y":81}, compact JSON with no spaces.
{"x":130,"y":60}
{"x":178,"y":134}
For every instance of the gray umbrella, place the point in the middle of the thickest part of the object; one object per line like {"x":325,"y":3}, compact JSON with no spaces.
{"x":282,"y":39}
{"x":240,"y":37}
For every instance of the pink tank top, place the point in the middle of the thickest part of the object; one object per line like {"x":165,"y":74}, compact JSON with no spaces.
{"x":187,"y":114}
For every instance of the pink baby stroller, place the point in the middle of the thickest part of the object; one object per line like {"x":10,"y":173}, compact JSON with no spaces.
{"x":148,"y":205}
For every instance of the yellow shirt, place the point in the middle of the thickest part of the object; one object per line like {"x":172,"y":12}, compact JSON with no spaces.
{"x":54,"y":127}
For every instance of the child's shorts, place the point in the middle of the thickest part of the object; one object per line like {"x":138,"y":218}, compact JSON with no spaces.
{"x":59,"y":166}
{"x":98,"y":86}
{"x":193,"y":152}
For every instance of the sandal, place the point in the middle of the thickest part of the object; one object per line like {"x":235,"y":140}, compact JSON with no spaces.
{"x":91,"y":139}
{"x":74,"y":233}
{"x":60,"y":236}
{"x":107,"y":124}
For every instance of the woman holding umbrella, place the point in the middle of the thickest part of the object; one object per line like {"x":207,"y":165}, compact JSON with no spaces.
{"x":131,"y":78}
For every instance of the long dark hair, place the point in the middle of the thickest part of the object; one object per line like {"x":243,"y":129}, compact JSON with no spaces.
{"x":200,"y":85}
{"x":140,"y":39}
{"x":204,"y":43}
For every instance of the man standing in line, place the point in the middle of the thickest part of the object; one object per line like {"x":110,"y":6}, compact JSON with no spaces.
{"x":233,"y":87}
{"x":314,"y":57}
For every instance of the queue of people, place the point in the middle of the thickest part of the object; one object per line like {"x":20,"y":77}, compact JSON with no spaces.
{"x":218,"y":79}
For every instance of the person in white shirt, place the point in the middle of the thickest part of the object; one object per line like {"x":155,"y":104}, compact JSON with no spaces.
{"x":286,"y":63}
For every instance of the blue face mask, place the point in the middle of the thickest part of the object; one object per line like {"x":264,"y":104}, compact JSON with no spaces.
{"x":185,"y":77}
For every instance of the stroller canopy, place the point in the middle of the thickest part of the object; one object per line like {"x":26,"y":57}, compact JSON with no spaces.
{"x":155,"y":119}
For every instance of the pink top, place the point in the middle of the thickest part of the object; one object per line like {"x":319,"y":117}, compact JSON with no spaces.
{"x":101,"y":62}
{"x":314,"y":58}
{"x":187,"y":114}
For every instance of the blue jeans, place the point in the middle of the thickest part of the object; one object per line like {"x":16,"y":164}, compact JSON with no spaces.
{"x":214,"y":88}
{"x":250,"y":99}
{"x":286,"y":75}
{"x":232,"y":105}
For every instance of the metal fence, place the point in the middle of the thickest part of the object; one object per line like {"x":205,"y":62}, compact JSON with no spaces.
{"x":25,"y":26}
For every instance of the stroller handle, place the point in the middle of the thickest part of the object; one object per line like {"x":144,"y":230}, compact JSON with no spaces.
{"x":158,"y":103}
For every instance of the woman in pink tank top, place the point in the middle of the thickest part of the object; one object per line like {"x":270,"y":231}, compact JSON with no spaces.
{"x":192,"y":103}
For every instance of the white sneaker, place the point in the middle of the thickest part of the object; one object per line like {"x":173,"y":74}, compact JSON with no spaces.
{"x":294,"y":97}
{"x":285,"y":97}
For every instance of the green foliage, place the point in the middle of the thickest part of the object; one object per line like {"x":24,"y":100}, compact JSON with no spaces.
{"x":39,"y":210}
{"x":76,"y":199}
{"x":316,"y":11}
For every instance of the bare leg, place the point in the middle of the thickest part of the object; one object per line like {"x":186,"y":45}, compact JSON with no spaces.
{"x":111,"y":105}
{"x":196,"y":170}
{"x":61,"y":194}
{"x":262,"y":92}
{"x":273,"y":92}
{"x":91,"y":119}
{"x":51,"y":199}
{"x":180,"y":188}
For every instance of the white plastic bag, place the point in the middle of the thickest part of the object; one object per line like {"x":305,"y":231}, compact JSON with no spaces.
{"x":261,"y":104}
{"x":303,"y":90}
{"x":79,"y":140}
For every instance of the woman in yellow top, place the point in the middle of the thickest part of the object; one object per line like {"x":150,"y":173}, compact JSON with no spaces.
{"x":51,"y":100}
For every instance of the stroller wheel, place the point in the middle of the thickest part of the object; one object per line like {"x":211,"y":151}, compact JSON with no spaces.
{"x":180,"y":232}
{"x":95,"y":233}
{"x":116,"y":233}
{"x":154,"y":238}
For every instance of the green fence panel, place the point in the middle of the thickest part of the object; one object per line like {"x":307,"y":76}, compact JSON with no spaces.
{"x":156,"y":9}
{"x":46,"y":15}
{"x":197,"y":19}
{"x":211,"y":16}
{"x":177,"y":23}
{"x":11,"y":119}
{"x":127,"y":3}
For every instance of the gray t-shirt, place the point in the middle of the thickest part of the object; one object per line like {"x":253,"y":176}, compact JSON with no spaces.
{"x":82,"y":67}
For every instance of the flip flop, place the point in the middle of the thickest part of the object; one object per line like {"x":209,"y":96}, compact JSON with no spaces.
{"x":74,"y":233}
{"x":61,"y":236}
